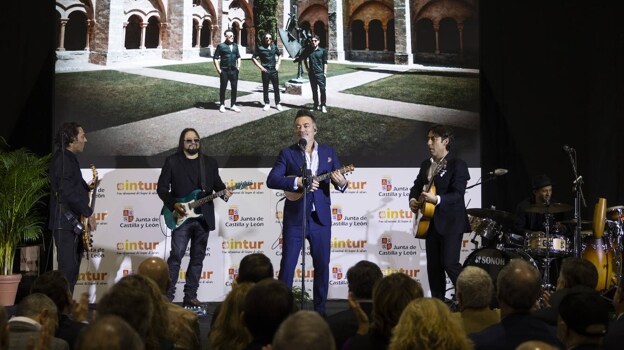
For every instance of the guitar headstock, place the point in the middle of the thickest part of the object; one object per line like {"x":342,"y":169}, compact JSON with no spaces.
{"x":243,"y":184}
{"x":95,"y":180}
{"x":347,"y":168}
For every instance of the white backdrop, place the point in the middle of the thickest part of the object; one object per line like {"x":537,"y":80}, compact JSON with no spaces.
{"x":371,"y":221}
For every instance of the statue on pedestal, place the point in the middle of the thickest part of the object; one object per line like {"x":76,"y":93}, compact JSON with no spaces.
{"x":296,"y":41}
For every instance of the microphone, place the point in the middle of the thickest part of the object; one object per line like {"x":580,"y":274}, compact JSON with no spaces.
{"x":499,"y":172}
{"x":567,"y":148}
{"x":302,"y":143}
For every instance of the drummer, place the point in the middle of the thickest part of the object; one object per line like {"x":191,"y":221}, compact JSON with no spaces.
{"x":542,"y":195}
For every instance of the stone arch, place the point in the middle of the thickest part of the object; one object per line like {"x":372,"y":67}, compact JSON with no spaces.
{"x":152,"y":33}
{"x":315,"y":15}
{"x":449,"y":36}
{"x":133,"y":32}
{"x":381,"y":14}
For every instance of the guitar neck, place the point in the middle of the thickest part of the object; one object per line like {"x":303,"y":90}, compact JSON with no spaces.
{"x":208,"y":198}
{"x":325,"y":176}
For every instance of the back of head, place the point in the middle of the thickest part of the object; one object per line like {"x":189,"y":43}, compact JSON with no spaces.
{"x":585,"y":312}
{"x":519,"y":285}
{"x":536,"y":345}
{"x":34,"y":304}
{"x":267,"y":304}
{"x":54,"y":284}
{"x":254,"y":267}
{"x":362,"y":277}
{"x":109,"y":332}
{"x":4,"y":332}
{"x":578,"y":272}
{"x":390,"y":296}
{"x":474,"y":288}
{"x":228,"y":331}
{"x":304,"y":330}
{"x":132,"y":304}
{"x":426,"y":323}
{"x":157,"y":270}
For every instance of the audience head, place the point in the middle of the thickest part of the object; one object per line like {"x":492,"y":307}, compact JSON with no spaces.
{"x":228,"y":331}
{"x":54,"y":284}
{"x":583,"y":317}
{"x":536,"y":345}
{"x":109,"y":332}
{"x":426,"y":323}
{"x":519,"y":286}
{"x":4,"y":331}
{"x":254,"y":267}
{"x":39,"y":307}
{"x":304,"y":330}
{"x":390,"y":296}
{"x":362,"y":277}
{"x":267,"y":304}
{"x":474,"y":288}
{"x":158,"y":270}
{"x":577,"y":271}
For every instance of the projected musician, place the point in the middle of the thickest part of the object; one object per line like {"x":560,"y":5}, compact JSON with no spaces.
{"x":449,"y":220}
{"x":188,"y":175}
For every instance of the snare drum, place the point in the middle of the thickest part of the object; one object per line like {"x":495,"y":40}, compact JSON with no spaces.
{"x":556,"y":245}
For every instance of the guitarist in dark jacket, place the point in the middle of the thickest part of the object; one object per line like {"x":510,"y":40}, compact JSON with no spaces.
{"x":449,"y":220}
{"x":180,"y":176}
{"x":69,"y":200}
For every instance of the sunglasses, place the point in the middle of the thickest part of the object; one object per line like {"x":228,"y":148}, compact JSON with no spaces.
{"x":191,"y":140}
{"x":315,"y":40}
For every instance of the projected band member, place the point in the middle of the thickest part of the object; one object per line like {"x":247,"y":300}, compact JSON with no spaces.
{"x":229,"y":63}
{"x":69,"y":200}
{"x":268,"y":58}
{"x":449,"y":220}
{"x":287,"y":175}
{"x":185,"y":176}
{"x":316,"y":66}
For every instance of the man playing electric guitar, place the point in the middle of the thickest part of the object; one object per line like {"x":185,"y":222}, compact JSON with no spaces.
{"x":184,"y":172}
{"x":450,"y":219}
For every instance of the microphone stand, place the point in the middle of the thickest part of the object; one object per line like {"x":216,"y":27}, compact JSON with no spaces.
{"x":493,"y":177}
{"x":577,"y":188}
{"x":305,"y":180}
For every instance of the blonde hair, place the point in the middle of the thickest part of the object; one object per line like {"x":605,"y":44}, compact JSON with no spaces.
{"x":426,"y":324}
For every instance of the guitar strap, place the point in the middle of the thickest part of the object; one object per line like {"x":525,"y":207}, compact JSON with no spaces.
{"x":202,"y":173}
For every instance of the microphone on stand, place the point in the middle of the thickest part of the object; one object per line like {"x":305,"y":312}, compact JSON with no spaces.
{"x":499,"y":172}
{"x":568,"y":149}
{"x":302,"y":144}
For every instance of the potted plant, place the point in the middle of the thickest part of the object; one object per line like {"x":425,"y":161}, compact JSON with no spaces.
{"x":23,"y":185}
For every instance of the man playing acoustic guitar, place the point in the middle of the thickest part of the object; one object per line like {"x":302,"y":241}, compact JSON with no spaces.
{"x":183,"y":174}
{"x":441,"y":182}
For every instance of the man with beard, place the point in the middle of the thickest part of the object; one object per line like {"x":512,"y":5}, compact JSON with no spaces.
{"x":188,"y":175}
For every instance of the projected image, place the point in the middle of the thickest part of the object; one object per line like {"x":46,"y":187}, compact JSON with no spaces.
{"x":135,"y":76}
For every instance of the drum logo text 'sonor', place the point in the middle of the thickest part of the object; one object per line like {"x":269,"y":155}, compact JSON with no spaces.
{"x":491,"y":260}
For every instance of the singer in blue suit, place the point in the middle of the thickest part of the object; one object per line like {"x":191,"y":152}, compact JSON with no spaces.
{"x":308,"y":156}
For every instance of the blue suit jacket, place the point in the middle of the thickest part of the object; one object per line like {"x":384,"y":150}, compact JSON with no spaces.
{"x":289,"y":164}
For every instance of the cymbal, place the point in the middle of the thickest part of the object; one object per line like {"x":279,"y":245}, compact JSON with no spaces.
{"x":573,"y":222}
{"x":615,"y":213}
{"x":553,"y":208}
{"x":499,"y":216}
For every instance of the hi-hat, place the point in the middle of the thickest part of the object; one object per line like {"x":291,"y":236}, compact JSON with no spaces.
{"x":502,"y":217}
{"x":551,"y":208}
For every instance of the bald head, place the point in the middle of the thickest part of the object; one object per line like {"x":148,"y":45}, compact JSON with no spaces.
{"x":156,"y":269}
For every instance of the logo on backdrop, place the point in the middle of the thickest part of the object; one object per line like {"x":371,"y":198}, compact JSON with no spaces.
{"x":99,"y":278}
{"x":242,"y":246}
{"x":348,"y":245}
{"x":130,"y":220}
{"x":337,"y":276}
{"x":354,"y":187}
{"x":141,"y":188}
{"x":255,"y":187}
{"x":389,"y":248}
{"x":340,"y":219}
{"x":235,"y":219}
{"x":387,"y":190}
{"x":395,"y":216}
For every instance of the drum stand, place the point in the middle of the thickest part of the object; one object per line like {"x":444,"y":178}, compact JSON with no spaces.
{"x":546,"y":276}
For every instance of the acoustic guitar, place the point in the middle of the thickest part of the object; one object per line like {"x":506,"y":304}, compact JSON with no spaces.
{"x":425,"y":210}
{"x":87,"y":236}
{"x":293,"y":196}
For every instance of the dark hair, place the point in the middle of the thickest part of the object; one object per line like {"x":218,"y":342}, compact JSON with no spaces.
{"x":445,"y":132}
{"x":305,"y":113}
{"x":390,"y":297}
{"x":578,"y":271}
{"x":362,"y":277}
{"x":228,"y":30}
{"x":181,"y":140}
{"x":267,"y":304}
{"x":254,"y":268}
{"x":54,"y":284}
{"x":67,"y":134}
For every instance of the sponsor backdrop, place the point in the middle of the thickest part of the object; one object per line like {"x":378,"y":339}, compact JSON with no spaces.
{"x":371,"y":221}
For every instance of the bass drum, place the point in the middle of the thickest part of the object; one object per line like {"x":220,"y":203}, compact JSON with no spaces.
{"x":493,"y":260}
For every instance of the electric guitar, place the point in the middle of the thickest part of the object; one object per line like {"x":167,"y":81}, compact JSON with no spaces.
{"x":293,"y":196}
{"x":425,"y":210}
{"x":87,"y":237}
{"x":174,"y":220}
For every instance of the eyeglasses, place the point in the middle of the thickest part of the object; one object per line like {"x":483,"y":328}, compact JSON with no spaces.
{"x":315,"y":40}
{"x":268,"y":38}
{"x":191,"y":140}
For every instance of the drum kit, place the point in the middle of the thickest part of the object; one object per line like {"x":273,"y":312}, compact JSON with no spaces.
{"x":500,"y":242}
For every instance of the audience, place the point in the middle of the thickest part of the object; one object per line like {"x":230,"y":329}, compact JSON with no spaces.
{"x":228,"y":331}
{"x":34,"y":323}
{"x":267,"y":304}
{"x":109,"y":332}
{"x":55,"y":285}
{"x":474,"y":292}
{"x":583,"y":320}
{"x":4,"y":331}
{"x":614,"y":339}
{"x":361,"y":279}
{"x":303,"y":330}
{"x":519,"y":286}
{"x":427,"y":324}
{"x":183,"y":326}
{"x":575,"y":273}
{"x":536,"y":345}
{"x":390,"y":296}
